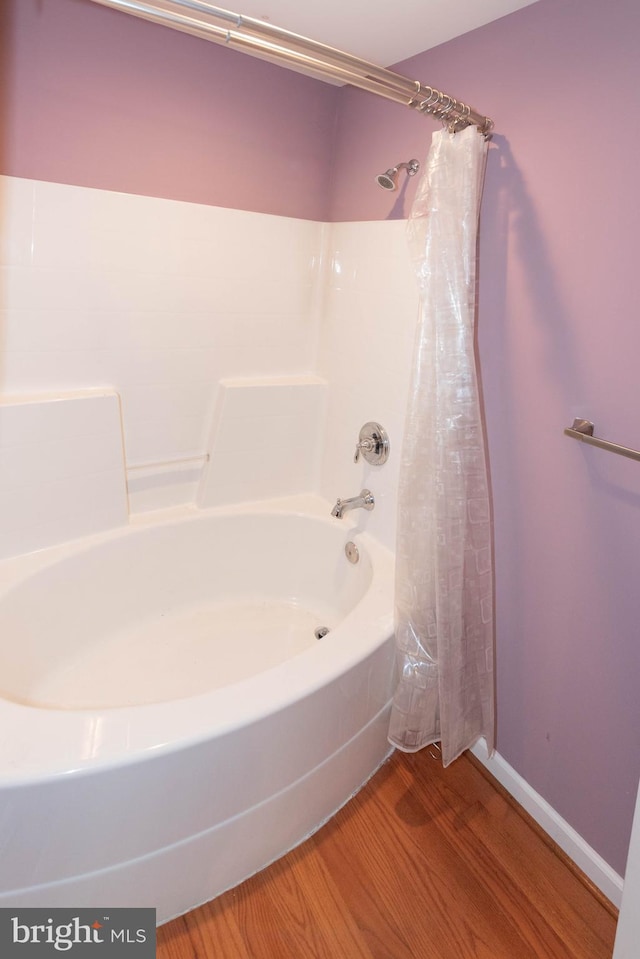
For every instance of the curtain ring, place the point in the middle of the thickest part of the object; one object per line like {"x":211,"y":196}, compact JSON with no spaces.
{"x":463,"y":114}
{"x":431,"y":100}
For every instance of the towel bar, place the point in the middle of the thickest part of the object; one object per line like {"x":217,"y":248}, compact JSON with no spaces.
{"x":583,"y":430}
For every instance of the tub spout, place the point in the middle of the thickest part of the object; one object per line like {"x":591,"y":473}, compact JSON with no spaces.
{"x":364,"y":501}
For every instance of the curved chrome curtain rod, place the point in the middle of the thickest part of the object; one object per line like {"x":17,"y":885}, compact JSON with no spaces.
{"x":272,"y":43}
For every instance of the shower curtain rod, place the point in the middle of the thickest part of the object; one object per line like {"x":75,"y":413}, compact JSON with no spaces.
{"x":280,"y":46}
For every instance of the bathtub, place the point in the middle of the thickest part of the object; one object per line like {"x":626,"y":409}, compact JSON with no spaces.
{"x":170,"y":721}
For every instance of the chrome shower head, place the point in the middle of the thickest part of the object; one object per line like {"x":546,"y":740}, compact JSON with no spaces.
{"x":389,"y":179}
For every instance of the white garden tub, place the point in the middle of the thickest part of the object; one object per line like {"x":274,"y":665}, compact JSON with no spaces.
{"x":169,"y":721}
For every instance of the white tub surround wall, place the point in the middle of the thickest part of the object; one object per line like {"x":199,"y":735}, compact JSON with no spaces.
{"x":61,"y":469}
{"x":158,"y":300}
{"x":366,"y":344}
{"x":265,"y":439}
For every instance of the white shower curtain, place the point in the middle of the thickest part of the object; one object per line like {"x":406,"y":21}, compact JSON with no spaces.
{"x":444,"y":571}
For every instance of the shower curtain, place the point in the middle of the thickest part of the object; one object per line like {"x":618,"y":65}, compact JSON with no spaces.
{"x":444,"y":565}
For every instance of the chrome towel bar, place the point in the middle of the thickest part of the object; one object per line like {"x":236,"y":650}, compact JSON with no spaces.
{"x":583,"y":430}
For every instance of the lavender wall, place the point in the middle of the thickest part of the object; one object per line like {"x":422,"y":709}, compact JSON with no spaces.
{"x":559,"y":337}
{"x":93,"y":97}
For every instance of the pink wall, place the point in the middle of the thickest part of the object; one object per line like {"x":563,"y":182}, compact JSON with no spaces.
{"x":559,"y":337}
{"x":94,"y":97}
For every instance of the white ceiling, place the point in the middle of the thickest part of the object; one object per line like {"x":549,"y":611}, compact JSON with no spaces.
{"x":395,"y":30}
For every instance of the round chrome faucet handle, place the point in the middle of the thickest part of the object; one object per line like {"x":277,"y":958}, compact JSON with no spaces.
{"x":373,"y":443}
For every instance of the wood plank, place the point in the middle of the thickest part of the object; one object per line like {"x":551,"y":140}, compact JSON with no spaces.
{"x":210,"y":930}
{"x":523,"y":874}
{"x":295,"y":911}
{"x":421,"y":882}
{"x":423,"y":863}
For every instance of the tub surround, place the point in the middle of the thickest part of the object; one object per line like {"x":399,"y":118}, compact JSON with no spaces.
{"x":61,"y":468}
{"x":64,"y":475}
{"x":197,"y":317}
{"x":264,"y":439}
{"x":91,"y":278}
{"x":222,"y":406}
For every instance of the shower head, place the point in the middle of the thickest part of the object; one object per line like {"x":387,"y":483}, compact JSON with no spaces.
{"x":389,"y":179}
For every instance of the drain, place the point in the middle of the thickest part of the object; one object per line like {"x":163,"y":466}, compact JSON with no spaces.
{"x":321,"y":632}
{"x":351,"y":552}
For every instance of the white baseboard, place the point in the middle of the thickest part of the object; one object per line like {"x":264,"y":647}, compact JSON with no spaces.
{"x":586,"y":858}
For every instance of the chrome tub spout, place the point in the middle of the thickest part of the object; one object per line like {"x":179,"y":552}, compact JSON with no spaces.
{"x":364,"y":501}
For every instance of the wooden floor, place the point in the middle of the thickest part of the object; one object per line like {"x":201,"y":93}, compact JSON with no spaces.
{"x":423,"y":863}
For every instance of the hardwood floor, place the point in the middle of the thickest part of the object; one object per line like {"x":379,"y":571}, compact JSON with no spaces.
{"x":423,"y":863}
